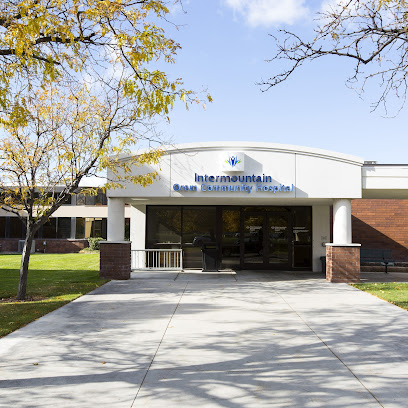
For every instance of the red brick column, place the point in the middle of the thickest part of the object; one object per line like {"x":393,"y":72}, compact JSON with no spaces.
{"x":115,"y":260}
{"x":343,"y":263}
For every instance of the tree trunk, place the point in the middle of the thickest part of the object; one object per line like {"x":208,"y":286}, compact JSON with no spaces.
{"x":25,"y":259}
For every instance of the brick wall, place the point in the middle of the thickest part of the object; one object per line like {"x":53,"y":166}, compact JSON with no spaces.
{"x":53,"y":246}
{"x":9,"y":245}
{"x":115,"y":260}
{"x":343,"y":263}
{"x":381,"y":224}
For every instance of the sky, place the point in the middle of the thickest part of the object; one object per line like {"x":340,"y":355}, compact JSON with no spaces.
{"x":225,"y":46}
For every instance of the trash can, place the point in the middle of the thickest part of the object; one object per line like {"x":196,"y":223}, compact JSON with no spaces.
{"x":323,"y":261}
{"x":210,"y":258}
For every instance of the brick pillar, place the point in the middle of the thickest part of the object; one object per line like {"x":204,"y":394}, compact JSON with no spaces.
{"x":115,"y":260}
{"x":343,"y":263}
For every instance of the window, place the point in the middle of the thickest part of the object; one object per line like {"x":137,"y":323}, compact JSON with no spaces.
{"x":89,"y":200}
{"x":90,"y":228}
{"x":302,"y":237}
{"x":57,"y":228}
{"x":127,"y":228}
{"x":64,"y":227}
{"x":80,"y":228}
{"x":2,"y":227}
{"x":97,"y":228}
{"x":69,"y":201}
{"x":192,"y":227}
{"x":55,"y":195}
{"x":198,"y":229}
{"x":80,"y":199}
{"x":231,"y":228}
{"x":98,"y":199}
{"x":164,"y":227}
{"x":50,"y":228}
{"x":16,"y":228}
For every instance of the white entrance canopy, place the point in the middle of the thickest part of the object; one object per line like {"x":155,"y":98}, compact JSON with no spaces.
{"x":258,"y":174}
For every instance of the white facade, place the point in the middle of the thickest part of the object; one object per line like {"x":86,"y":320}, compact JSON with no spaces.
{"x":262,"y":175}
{"x":314,"y":174}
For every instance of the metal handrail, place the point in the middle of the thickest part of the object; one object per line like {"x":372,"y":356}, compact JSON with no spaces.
{"x":157,"y":259}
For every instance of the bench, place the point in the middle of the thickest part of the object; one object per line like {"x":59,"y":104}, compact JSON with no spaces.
{"x":383,"y":256}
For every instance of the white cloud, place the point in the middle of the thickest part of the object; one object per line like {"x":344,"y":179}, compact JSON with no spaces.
{"x":269,"y":12}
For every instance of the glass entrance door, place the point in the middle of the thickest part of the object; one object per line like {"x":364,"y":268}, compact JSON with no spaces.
{"x":266,"y":241}
{"x":253,"y":246}
{"x":278,"y":241}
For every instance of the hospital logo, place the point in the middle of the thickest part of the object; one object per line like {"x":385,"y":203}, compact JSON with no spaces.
{"x":232,"y":161}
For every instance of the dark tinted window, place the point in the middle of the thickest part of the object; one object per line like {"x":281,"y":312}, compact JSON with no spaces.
{"x":64,"y":227}
{"x":198,"y":229}
{"x":80,"y":199}
{"x":164,"y":227}
{"x":302,"y":237}
{"x":98,"y":228}
{"x":16,"y":228}
{"x":2,"y":227}
{"x":69,"y":200}
{"x":80,"y":228}
{"x":198,"y":222}
{"x":127,"y":228}
{"x":302,"y":225}
{"x":230,"y":238}
{"x":101,"y":199}
{"x":50,"y":228}
{"x":89,"y":200}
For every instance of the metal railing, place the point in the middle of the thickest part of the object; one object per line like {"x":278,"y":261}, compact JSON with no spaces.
{"x":157,"y":259}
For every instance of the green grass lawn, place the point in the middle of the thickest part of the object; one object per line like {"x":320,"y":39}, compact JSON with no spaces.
{"x":394,"y":292}
{"x":53,"y":281}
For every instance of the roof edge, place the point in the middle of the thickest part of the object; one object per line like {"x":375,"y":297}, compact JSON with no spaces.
{"x":257,"y":146}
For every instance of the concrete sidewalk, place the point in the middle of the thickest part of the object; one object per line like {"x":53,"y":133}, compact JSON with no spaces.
{"x":211,"y":340}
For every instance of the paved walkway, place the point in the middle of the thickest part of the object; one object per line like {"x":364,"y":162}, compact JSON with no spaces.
{"x":205,"y":340}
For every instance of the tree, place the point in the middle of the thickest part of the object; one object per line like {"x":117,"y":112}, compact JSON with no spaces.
{"x":80,"y":83}
{"x":41,"y":40}
{"x":64,"y":137}
{"x":372,"y":33}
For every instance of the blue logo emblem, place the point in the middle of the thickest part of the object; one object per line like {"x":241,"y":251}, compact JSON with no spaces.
{"x":233,"y":161}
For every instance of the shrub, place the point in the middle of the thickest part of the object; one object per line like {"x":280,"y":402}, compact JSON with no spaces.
{"x":94,"y":243}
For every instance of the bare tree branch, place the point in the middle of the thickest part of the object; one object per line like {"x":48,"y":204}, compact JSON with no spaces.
{"x":372,"y":33}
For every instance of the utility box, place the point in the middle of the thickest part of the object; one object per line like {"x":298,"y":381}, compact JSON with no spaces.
{"x":21,"y":246}
{"x":323,"y":261}
{"x":211,"y":261}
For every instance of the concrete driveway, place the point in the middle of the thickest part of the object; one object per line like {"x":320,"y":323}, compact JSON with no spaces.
{"x":211,"y":340}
